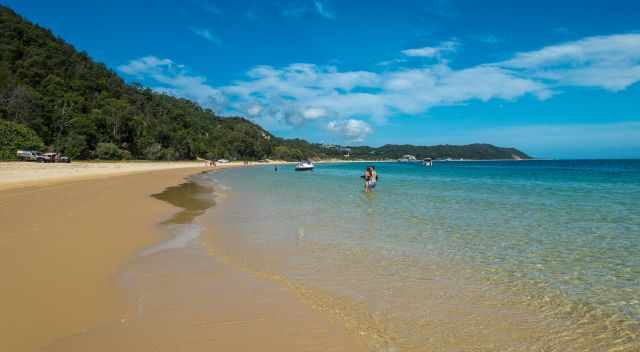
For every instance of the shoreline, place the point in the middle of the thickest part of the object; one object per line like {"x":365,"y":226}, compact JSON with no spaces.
{"x":66,"y":258}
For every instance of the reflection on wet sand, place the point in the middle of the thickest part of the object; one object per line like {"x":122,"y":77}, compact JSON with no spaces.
{"x":193,"y":197}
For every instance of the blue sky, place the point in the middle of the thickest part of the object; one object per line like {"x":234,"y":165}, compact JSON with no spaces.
{"x":556,"y":79}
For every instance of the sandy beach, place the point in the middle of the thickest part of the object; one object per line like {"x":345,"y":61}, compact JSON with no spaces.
{"x":25,"y":174}
{"x":73,"y":278}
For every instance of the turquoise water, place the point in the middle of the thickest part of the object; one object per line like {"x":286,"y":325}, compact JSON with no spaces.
{"x":561,"y":238}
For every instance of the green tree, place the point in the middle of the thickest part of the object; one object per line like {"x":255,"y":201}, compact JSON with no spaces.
{"x":14,"y":136}
{"x":109,"y":151}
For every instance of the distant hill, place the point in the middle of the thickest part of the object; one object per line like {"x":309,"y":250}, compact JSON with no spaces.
{"x":62,"y":99}
{"x":471,"y":151}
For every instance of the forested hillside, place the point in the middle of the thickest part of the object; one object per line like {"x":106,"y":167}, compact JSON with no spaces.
{"x":471,"y":151}
{"x":54,"y":97}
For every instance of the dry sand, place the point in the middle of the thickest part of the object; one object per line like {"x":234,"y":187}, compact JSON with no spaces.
{"x":24,"y":174}
{"x":66,"y":247}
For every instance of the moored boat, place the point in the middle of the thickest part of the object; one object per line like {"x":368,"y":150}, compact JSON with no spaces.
{"x":304,"y":165}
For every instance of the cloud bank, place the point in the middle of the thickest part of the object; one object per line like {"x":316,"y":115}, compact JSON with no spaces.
{"x":281,"y":97}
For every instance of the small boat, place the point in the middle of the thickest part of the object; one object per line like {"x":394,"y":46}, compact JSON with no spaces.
{"x":407,"y":158}
{"x":304,"y":165}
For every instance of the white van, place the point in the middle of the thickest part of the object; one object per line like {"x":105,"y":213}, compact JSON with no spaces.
{"x":28,"y":155}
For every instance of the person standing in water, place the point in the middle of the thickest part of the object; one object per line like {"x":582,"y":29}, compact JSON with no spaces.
{"x":374,"y":177}
{"x":367,"y":178}
{"x":370,"y":178}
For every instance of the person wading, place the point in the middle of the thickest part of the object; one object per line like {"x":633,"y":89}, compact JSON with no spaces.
{"x":370,"y":178}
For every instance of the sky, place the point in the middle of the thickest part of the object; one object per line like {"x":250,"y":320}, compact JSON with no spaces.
{"x":556,"y":79}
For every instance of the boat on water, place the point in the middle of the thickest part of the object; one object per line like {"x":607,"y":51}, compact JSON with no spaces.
{"x":304,"y":165}
{"x":408,"y":158}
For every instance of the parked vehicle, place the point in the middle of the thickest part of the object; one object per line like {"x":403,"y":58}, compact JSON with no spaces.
{"x":31,"y":155}
{"x":41,"y":158}
{"x":55,"y":158}
{"x":28,"y":155}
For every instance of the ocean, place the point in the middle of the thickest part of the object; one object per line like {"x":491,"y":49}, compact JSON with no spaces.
{"x":484,"y":256}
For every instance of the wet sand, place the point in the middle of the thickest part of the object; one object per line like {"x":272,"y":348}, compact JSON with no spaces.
{"x":74,"y":279}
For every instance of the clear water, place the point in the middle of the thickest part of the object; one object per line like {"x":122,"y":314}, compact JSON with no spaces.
{"x":551,"y":249}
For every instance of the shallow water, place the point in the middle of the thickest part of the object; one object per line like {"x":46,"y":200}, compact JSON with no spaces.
{"x":530,"y":255}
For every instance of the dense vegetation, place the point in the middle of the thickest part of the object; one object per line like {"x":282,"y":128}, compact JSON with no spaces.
{"x":54,"y":97}
{"x":14,"y":136}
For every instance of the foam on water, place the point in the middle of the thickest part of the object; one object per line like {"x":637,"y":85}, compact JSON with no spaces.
{"x":476,"y":255}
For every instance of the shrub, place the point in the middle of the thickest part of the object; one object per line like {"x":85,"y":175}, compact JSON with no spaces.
{"x":14,"y":136}
{"x":153,"y":152}
{"x":110,"y":151}
{"x":126,"y":155}
{"x":169,"y":154}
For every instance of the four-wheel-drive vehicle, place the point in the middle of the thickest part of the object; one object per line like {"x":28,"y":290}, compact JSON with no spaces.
{"x":41,"y":158}
{"x":55,"y":158}
{"x":27,"y":155}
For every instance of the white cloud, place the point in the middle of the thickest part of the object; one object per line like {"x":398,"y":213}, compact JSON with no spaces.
{"x":281,"y":97}
{"x":173,"y":79}
{"x":391,"y":62}
{"x":303,"y":92}
{"x":321,"y":8}
{"x":254,"y":110}
{"x":433,"y":51}
{"x":313,"y":113}
{"x":206,"y":34}
{"x":610,"y":62}
{"x":351,"y":129}
{"x":144,"y":65}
